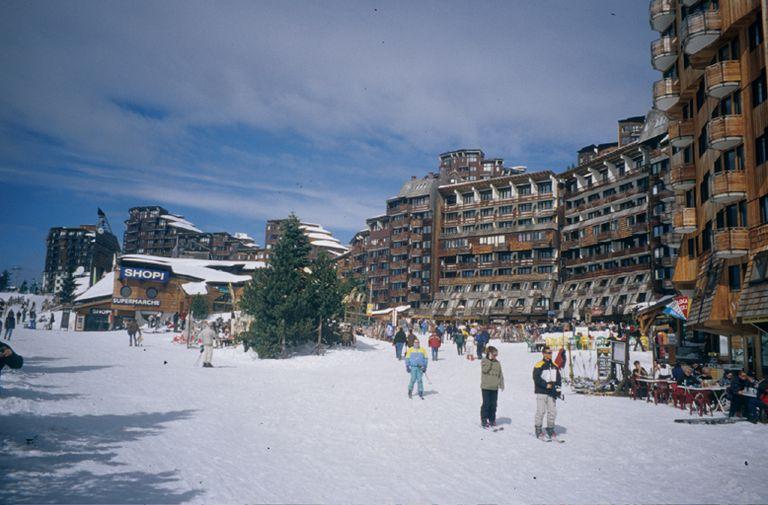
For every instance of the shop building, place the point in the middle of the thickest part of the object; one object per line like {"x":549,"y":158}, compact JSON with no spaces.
{"x":143,"y":286}
{"x":712,"y":57}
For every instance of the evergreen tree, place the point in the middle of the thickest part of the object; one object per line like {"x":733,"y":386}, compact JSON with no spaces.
{"x":24,"y":288}
{"x":199,"y":307}
{"x":279,"y":298}
{"x":68,"y":287}
{"x":5,"y":278}
{"x":326,"y":298}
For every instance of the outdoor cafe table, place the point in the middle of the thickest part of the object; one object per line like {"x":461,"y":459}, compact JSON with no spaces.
{"x":718,"y":393}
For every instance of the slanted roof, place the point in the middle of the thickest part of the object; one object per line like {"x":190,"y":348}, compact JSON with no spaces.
{"x":101,"y":289}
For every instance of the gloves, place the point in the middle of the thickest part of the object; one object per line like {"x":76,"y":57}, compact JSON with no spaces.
{"x":424,"y":369}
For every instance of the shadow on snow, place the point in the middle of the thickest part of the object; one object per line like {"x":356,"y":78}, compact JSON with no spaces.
{"x":41,"y":455}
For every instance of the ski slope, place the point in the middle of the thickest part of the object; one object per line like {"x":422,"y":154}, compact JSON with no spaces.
{"x":91,"y":420}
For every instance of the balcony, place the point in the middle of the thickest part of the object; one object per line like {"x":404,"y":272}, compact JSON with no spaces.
{"x":726,"y":132}
{"x":666,"y":93}
{"x":723,"y":78}
{"x":684,"y":220}
{"x":663,"y":53}
{"x":682,"y":177}
{"x":700,"y":30}
{"x":681,"y":133}
{"x":729,"y":187}
{"x":662,"y":14}
{"x":731,"y":243}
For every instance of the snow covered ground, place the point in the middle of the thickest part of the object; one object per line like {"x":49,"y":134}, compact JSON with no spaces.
{"x":90,"y":420}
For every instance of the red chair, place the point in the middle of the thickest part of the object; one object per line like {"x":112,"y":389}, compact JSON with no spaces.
{"x":661,"y":393}
{"x":701,"y":402}
{"x":679,"y":396}
{"x":634,"y":389}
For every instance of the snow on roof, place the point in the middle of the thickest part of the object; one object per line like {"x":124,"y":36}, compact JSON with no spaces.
{"x":180,"y":222}
{"x":101,"y":289}
{"x":195,"y":288}
{"x":205,"y":270}
{"x":320,"y":237}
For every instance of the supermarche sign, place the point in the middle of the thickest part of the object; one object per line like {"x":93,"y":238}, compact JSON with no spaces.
{"x":144,"y":274}
{"x":136,"y":302}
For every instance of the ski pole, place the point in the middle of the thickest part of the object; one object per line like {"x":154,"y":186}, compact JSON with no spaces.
{"x":199,"y":355}
{"x":427,"y":376}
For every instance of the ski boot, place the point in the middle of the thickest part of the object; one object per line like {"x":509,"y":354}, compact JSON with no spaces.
{"x":410,"y":394}
{"x":540,"y":434}
{"x":551,"y":436}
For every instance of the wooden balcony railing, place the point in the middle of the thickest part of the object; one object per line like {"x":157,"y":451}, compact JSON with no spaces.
{"x":729,"y":186}
{"x":684,"y":220}
{"x":662,"y":13}
{"x":663,"y":53}
{"x":726,"y":131}
{"x":666,"y":93}
{"x":700,"y":30}
{"x":723,"y":78}
{"x":731,"y":242}
{"x":681,"y":132}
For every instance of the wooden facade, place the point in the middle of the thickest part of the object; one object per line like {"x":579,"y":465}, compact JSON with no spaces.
{"x":720,"y":177}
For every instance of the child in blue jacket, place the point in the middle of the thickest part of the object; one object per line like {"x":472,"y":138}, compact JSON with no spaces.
{"x":416,"y":365}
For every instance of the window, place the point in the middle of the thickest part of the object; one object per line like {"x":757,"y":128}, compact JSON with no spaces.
{"x":524,"y":190}
{"x":125,"y":291}
{"x":151,"y":293}
{"x":704,"y":188}
{"x":734,"y":277}
{"x":764,"y":209}
{"x":505,"y":192}
{"x":731,"y":104}
{"x":701,"y":97}
{"x":545,"y":205}
{"x":759,"y":90}
{"x":755,"y":34}
{"x":525,"y":207}
{"x":544,"y":187}
{"x":761,"y":148}
{"x":486,"y":196}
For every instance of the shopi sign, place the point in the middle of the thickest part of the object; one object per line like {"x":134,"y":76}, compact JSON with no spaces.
{"x":137,"y":302}
{"x":144,"y":274}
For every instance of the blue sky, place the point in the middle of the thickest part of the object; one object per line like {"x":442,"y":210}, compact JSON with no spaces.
{"x":232,"y":113}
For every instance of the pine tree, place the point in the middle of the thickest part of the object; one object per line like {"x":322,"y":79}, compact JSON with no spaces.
{"x":5,"y":278}
{"x":68,"y":287}
{"x":199,"y":307}
{"x":24,"y":288}
{"x":326,"y":298}
{"x":279,"y":298}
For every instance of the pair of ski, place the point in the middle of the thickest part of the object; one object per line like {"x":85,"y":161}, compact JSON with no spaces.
{"x":545,"y":439}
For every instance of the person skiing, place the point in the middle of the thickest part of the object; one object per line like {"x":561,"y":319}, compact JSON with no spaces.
{"x":481,"y":339}
{"x":546,"y":383}
{"x":491,"y":381}
{"x":207,"y":335}
{"x":133,"y":329}
{"x":434,"y":345}
{"x":416,"y":365}
{"x":399,"y":342}
{"x":458,"y":338}
{"x":10,"y":324}
{"x":9,"y":358}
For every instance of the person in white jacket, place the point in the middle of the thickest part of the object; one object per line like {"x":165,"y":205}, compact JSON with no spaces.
{"x":207,"y":335}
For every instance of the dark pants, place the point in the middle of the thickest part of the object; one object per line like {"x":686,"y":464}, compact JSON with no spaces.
{"x":434,"y":354}
{"x":488,"y":409}
{"x":460,"y":348}
{"x":754,"y":408}
{"x":480,"y":349}
{"x":737,"y":404}
{"x":399,"y":349}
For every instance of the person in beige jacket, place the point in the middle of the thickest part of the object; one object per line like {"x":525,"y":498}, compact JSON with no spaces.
{"x":207,"y":335}
{"x":491,"y":381}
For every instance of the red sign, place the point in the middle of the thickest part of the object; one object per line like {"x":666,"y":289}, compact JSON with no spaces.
{"x":682,"y":302}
